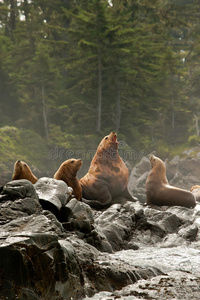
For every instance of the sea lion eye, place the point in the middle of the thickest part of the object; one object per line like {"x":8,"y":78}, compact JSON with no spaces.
{"x":25,"y":165}
{"x":72,"y":161}
{"x":106,"y":138}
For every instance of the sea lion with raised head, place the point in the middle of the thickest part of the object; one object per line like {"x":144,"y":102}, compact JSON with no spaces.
{"x":107,"y":178}
{"x":22,"y":171}
{"x":68,"y":173}
{"x":158,"y":190}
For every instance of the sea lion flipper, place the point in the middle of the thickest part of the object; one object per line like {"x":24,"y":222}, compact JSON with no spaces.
{"x":126,"y":194}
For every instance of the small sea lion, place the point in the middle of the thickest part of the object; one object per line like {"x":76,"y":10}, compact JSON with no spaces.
{"x":158,"y":190}
{"x":67,"y":172}
{"x":196,"y":192}
{"x":23,"y":171}
{"x":107,"y":178}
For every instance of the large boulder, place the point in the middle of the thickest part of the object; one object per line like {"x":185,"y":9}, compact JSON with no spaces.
{"x":37,"y":265}
{"x":53,"y":194}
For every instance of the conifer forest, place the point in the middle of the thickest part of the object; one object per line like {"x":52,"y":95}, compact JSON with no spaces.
{"x":72,"y":71}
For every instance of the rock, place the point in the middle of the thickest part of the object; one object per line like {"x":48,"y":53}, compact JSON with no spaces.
{"x":53,"y":194}
{"x":175,"y":285}
{"x":116,"y":223}
{"x":75,"y":251}
{"x":79,"y":215}
{"x":138,"y":178}
{"x":19,"y":189}
{"x":11,"y":210}
{"x":38,"y":263}
{"x":186,"y":174}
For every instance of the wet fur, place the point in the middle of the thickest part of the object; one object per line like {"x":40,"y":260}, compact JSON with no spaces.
{"x":68,"y":173}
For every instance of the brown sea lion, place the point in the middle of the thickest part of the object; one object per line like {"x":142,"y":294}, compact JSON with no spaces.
{"x":158,"y":190}
{"x":67,"y":172}
{"x":196,"y":192}
{"x":107,"y":178}
{"x":22,"y":171}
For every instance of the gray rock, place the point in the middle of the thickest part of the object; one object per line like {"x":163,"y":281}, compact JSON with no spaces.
{"x":53,"y":194}
{"x":19,"y":189}
{"x":11,"y":210}
{"x":78,"y":215}
{"x":138,"y":178}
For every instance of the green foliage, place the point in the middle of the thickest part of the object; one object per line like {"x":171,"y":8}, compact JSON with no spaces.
{"x":22,"y":144}
{"x":194,"y":140}
{"x":140,"y":58}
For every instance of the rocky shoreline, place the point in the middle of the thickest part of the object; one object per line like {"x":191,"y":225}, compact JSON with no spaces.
{"x":55,"y":247}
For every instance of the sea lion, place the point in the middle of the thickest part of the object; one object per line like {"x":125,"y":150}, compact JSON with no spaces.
{"x":22,"y":171}
{"x":158,"y":190}
{"x":196,"y":192}
{"x":107,"y":178}
{"x":67,"y":172}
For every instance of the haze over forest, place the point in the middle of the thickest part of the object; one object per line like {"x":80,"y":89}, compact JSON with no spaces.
{"x":73,"y":71}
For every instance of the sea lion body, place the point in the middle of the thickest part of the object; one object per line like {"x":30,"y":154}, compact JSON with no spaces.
{"x":23,"y":171}
{"x":67,"y":172}
{"x":158,"y":190}
{"x":107,"y":178}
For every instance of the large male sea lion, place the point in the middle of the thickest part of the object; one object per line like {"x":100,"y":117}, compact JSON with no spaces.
{"x":67,"y":172}
{"x":107,"y":178}
{"x":22,"y":171}
{"x":158,"y":190}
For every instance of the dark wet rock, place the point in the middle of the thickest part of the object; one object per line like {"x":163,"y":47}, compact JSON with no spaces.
{"x":79,"y":215}
{"x":175,"y":285}
{"x":170,"y":223}
{"x":109,"y":273}
{"x":53,"y":194}
{"x":73,"y":251}
{"x":189,"y":233}
{"x":38,"y":263}
{"x":11,"y":210}
{"x":19,"y":189}
{"x":23,"y":201}
{"x":117,"y":223}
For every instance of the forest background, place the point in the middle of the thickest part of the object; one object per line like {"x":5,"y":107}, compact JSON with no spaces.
{"x":72,"y":71}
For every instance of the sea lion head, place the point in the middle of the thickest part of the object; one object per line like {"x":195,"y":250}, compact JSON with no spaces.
{"x":22,"y":171}
{"x":155,"y":161}
{"x":157,"y":164}
{"x":152,"y":160}
{"x":195,"y":187}
{"x":109,"y":142}
{"x":71,"y":166}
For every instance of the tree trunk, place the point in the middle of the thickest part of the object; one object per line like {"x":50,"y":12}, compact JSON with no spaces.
{"x":197,"y":124}
{"x":12,"y":15}
{"x":118,"y":105}
{"x":99,"y":91}
{"x":26,"y":9}
{"x":44,"y":113}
